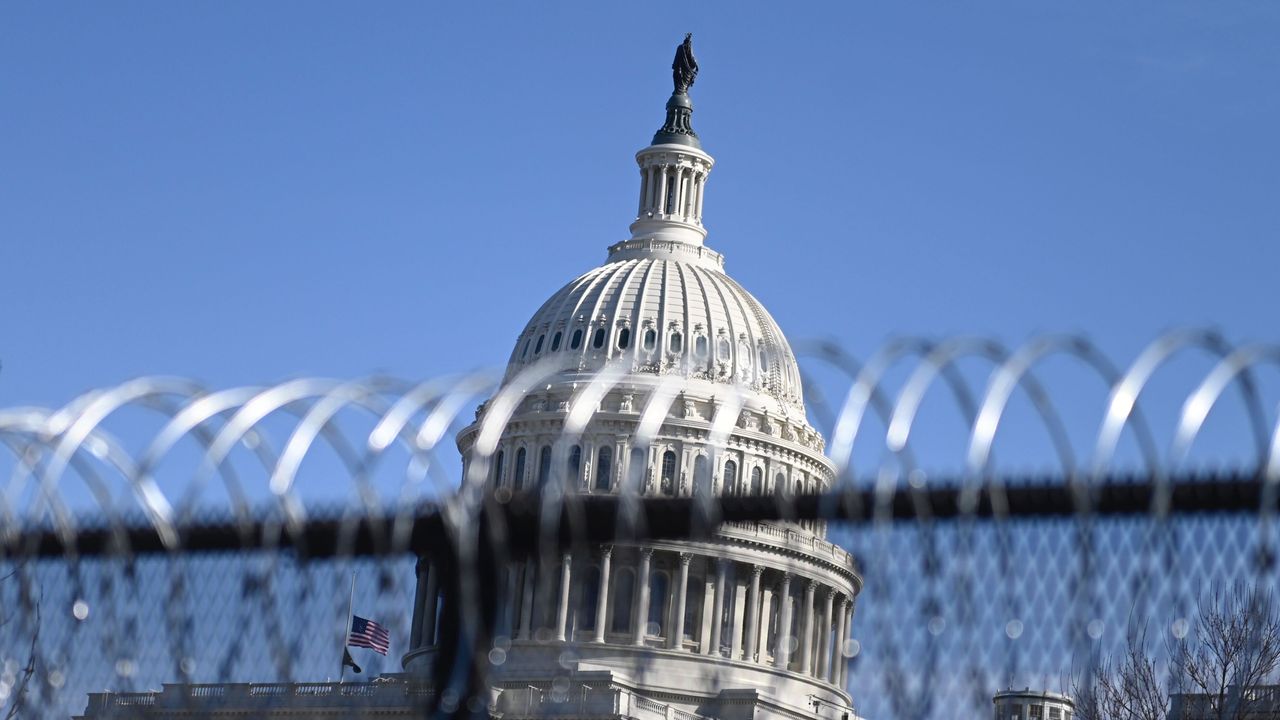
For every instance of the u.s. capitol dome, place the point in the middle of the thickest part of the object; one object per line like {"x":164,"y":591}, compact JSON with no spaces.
{"x":751,"y":623}
{"x":666,"y":307}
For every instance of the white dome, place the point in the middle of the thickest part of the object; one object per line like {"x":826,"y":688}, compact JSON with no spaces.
{"x":737,"y":611}
{"x":668,"y":308}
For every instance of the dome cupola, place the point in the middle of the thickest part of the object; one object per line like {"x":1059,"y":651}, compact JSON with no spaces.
{"x":674,"y":168}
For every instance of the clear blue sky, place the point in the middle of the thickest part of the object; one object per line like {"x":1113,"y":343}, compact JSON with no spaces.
{"x":244,"y":192}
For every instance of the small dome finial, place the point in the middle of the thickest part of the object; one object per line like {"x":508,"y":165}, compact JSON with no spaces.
{"x":678,"y":128}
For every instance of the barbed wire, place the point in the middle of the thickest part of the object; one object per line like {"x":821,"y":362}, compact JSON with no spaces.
{"x":123,"y":499}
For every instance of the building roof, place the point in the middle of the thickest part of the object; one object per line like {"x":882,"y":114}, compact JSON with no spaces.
{"x":665,"y":308}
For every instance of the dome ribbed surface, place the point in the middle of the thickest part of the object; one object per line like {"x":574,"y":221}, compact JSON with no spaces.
{"x":665,"y":316}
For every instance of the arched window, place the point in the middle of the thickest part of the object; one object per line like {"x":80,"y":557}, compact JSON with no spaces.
{"x":576,"y":341}
{"x":497,"y":469}
{"x":757,"y":481}
{"x":575,"y":465}
{"x":517,"y":617}
{"x":518,"y":481}
{"x":780,"y":481}
{"x":636,"y":468}
{"x":700,"y":347}
{"x":620,"y":596}
{"x":659,"y":586}
{"x":590,"y":598}
{"x":693,"y":607}
{"x":729,"y":615}
{"x":669,"y":473}
{"x":604,"y":468}
{"x":775,"y":610}
{"x":538,"y":347}
{"x":799,"y":487}
{"x":677,"y":342}
{"x":794,"y":630}
{"x":722,"y":349}
{"x":650,"y":339}
{"x":597,"y":342}
{"x":701,"y":476}
{"x":544,"y":465}
{"x":555,"y":341}
{"x":730,"y":485}
{"x":624,"y":338}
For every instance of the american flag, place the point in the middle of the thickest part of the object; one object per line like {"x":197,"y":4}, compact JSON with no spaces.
{"x":369,"y":634}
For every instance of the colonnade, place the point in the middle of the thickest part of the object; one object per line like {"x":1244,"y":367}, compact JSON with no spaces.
{"x":672,"y":191}
{"x":681,"y":601}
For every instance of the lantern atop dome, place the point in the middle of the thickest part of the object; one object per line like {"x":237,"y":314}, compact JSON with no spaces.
{"x":674,"y":168}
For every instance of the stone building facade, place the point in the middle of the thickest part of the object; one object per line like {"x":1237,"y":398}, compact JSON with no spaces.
{"x":1032,"y":705}
{"x":749,"y":624}
{"x":763,"y":608}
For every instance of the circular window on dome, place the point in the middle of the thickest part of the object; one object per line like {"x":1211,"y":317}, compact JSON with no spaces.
{"x":650,"y":339}
{"x":538,"y":347}
{"x":624,"y":338}
{"x":677,"y":342}
{"x":722,"y":349}
{"x":700,"y":347}
{"x":597,"y":341}
{"x":576,"y":341}
{"x":555,"y":341}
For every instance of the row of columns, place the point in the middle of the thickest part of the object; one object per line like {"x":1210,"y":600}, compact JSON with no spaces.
{"x":821,"y":660}
{"x":657,"y":183}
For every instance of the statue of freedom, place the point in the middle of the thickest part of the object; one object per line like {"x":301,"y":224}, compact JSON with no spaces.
{"x":684,"y":69}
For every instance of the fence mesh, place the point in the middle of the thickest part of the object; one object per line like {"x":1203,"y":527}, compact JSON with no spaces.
{"x":169,"y":549}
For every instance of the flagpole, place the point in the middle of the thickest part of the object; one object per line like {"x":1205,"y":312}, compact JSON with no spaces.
{"x":346,"y":629}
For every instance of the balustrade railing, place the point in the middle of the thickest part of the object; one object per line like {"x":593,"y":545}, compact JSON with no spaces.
{"x":787,"y":538}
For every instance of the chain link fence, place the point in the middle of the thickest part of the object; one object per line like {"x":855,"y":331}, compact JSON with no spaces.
{"x":172,"y":551}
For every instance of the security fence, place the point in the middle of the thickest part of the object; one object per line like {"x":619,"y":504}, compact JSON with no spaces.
{"x":168,"y":549}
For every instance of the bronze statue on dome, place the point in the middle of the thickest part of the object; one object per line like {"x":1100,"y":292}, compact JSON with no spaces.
{"x":684,"y":69}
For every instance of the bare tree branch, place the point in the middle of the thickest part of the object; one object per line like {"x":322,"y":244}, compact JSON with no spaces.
{"x":19,"y":690}
{"x":1215,"y":674}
